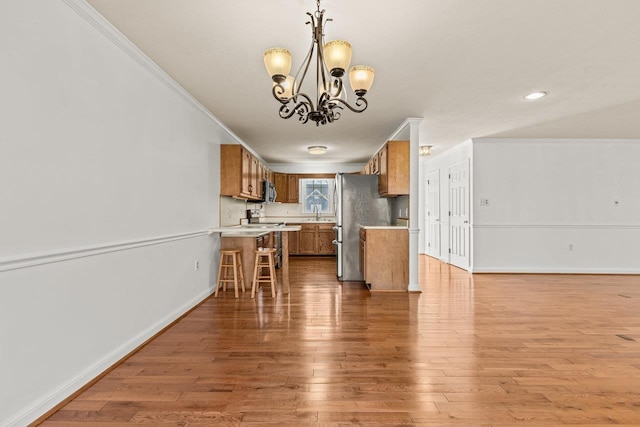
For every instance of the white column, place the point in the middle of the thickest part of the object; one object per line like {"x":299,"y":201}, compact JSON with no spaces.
{"x":410,"y":129}
{"x":414,"y":203}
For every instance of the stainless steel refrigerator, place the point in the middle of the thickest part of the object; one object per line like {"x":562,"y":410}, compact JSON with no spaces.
{"x":357,"y":203}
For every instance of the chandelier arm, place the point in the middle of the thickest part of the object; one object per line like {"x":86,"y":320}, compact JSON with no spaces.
{"x":305,"y":105}
{"x":338,"y":85}
{"x":301,"y":108}
{"x":361,"y":104}
{"x":307,"y":60}
{"x":277,"y":90}
{"x":324,"y":72}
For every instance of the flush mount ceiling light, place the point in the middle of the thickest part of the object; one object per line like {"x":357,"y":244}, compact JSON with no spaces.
{"x":535,"y":95}
{"x":317,"y":149}
{"x":425,"y":150}
{"x":331,"y":61}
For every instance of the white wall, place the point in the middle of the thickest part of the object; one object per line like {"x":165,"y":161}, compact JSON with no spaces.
{"x":552,"y":205}
{"x":109,"y":180}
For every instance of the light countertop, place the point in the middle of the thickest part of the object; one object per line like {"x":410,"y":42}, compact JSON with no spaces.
{"x":299,"y":219}
{"x":253,"y":230}
{"x":384,"y":227}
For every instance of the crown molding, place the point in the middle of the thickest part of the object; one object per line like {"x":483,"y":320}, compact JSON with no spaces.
{"x":89,"y":14}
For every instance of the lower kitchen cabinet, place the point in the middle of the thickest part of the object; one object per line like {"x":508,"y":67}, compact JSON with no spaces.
{"x":384,"y":258}
{"x":294,"y":242}
{"x":314,"y":239}
{"x":308,"y":240}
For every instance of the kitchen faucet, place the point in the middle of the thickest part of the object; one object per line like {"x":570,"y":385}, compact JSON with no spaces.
{"x":317,"y":212}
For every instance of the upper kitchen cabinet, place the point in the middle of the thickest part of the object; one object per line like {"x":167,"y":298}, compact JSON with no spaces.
{"x":391,"y":164}
{"x":241,"y":173}
{"x":286,"y":187}
{"x":293,"y":189}
{"x":280,"y":181}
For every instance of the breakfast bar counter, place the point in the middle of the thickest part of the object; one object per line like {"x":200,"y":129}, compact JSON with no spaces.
{"x":239,"y":230}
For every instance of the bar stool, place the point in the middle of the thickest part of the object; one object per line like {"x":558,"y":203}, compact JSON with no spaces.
{"x":264,"y":259}
{"x":230,"y":259}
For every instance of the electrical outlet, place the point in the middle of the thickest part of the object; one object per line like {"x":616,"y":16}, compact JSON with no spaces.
{"x":484,"y":202}
{"x":570,"y":246}
{"x":196,"y":266}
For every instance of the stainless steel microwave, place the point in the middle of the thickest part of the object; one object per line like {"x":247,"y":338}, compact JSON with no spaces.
{"x":268,"y":192}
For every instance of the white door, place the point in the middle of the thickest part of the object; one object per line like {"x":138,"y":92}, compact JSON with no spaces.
{"x":433,"y":213}
{"x":459,"y":241}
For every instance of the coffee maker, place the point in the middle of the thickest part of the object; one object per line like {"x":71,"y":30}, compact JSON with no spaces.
{"x":253,"y":215}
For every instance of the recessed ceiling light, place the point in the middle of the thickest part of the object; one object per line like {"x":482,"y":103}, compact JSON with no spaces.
{"x":317,"y":149}
{"x":535,"y":95}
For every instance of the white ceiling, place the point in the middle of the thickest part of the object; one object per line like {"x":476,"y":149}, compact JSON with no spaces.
{"x":463,"y":65}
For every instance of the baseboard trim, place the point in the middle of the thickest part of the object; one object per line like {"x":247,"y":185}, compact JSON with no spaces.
{"x":47,"y":405}
{"x":543,"y":270}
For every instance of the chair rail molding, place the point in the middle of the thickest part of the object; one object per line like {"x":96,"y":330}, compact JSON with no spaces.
{"x":32,"y":260}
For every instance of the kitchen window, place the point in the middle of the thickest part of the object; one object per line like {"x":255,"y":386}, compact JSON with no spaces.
{"x":316,"y":195}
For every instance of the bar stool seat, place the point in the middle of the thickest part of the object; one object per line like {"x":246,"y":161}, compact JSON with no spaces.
{"x":230,"y":259}
{"x":265,"y":259}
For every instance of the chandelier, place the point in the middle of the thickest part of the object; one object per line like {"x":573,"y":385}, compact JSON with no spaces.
{"x":331,"y":61}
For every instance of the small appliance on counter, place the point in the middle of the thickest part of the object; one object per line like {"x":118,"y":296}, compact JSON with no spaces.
{"x":253,"y":216}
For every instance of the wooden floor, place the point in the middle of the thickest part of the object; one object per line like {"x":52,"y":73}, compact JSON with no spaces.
{"x":483,"y":350}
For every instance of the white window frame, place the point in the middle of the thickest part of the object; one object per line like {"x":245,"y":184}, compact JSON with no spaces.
{"x":303,"y":196}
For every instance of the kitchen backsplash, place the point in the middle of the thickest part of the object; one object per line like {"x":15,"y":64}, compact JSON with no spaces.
{"x":399,"y":208}
{"x":231,"y":211}
{"x":283,"y":209}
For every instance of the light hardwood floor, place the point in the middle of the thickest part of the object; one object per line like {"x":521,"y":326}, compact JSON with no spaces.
{"x":471,"y":350}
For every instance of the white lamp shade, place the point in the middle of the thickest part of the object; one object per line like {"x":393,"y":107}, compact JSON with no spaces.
{"x":288,"y":85}
{"x":278,"y":61}
{"x":361,"y":78}
{"x":337,"y":55}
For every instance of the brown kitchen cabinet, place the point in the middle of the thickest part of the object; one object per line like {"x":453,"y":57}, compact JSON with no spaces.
{"x":308,"y":240}
{"x":384,"y":258}
{"x":294,"y":242}
{"x":393,"y":160}
{"x":292,"y":189}
{"x":315,"y":239}
{"x":286,"y":187}
{"x":325,"y":239}
{"x":241,"y":173}
{"x":280,"y":182}
{"x":391,"y":164}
